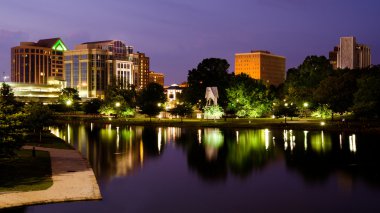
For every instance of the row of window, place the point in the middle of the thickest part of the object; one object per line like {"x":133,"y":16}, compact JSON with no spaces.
{"x":125,"y":66}
{"x":38,"y":51}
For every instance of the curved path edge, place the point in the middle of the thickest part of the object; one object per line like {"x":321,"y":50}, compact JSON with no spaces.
{"x":73,"y":180}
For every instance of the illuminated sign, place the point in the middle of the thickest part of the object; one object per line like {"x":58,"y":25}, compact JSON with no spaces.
{"x":59,"y":46}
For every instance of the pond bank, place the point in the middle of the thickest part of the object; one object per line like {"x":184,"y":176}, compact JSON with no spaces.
{"x":73,"y":180}
{"x":368,"y":126}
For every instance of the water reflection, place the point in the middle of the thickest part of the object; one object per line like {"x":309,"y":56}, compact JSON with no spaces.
{"x":215,"y":154}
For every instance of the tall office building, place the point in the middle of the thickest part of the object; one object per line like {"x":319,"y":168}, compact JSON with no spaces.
{"x":156,"y":78}
{"x":37,"y":63}
{"x":350,"y":55}
{"x":261,"y":65}
{"x":141,"y":69}
{"x":92,"y":66}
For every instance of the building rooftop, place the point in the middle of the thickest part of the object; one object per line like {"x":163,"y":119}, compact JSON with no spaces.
{"x":97,"y":42}
{"x":50,"y":42}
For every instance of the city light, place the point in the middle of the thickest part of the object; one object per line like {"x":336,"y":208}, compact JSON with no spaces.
{"x":69,"y":102}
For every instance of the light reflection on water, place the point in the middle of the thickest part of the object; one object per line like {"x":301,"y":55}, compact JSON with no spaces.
{"x":250,"y":158}
{"x":116,"y":151}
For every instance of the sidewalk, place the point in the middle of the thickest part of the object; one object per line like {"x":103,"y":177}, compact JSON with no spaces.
{"x":73,"y":180}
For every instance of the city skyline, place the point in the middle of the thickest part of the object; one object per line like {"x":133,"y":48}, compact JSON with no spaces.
{"x":178,"y":35}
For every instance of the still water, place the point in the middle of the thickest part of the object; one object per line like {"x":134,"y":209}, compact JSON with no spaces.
{"x":169,"y":169}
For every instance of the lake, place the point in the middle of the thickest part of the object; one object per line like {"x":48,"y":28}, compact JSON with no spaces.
{"x":170,"y":169}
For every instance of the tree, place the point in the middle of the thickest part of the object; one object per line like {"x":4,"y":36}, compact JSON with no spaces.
{"x":182,"y":110}
{"x":211,"y":72}
{"x":151,"y":100}
{"x":302,"y":81}
{"x":337,"y":91}
{"x":38,"y":117}
{"x":248,"y":97}
{"x":285,"y":110}
{"x":69,"y":97}
{"x":92,"y":106}
{"x":213,"y":112}
{"x":11,"y":121}
{"x":367,"y":97}
{"x":120,"y":102}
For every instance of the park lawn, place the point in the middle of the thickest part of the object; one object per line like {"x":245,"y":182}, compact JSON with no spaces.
{"x":24,"y":172}
{"x":48,"y":140}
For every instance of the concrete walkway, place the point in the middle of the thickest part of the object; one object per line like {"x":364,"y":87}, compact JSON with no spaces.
{"x":73,"y":180}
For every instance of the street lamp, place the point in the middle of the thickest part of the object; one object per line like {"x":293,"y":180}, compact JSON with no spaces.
{"x":305,"y":104}
{"x":69,"y":102}
{"x":117,"y":104}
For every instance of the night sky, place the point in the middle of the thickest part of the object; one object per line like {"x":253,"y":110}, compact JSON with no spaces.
{"x":178,"y":34}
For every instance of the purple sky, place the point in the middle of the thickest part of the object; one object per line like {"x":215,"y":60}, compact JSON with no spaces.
{"x":178,"y":34}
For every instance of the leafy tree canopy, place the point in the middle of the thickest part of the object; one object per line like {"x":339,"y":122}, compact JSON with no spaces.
{"x":248,"y":97}
{"x":69,"y":96}
{"x":182,"y":110}
{"x":337,"y":91}
{"x":211,"y":72}
{"x":367,"y":97}
{"x":303,"y":80}
{"x":151,"y":99}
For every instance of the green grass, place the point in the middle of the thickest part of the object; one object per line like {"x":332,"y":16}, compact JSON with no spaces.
{"x":25,"y":172}
{"x":48,"y":140}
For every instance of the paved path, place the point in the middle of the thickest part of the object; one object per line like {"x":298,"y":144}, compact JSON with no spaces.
{"x":73,"y":180}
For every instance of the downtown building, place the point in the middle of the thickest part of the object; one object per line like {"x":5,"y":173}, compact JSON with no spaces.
{"x":92,"y":66}
{"x":261,"y":65}
{"x":141,"y":65}
{"x":155,"y":77}
{"x":38,"y":62}
{"x":350,"y":54}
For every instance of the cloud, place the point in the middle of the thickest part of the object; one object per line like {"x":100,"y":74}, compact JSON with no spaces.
{"x":9,"y":39}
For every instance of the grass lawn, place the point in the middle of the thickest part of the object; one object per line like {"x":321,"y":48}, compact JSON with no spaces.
{"x":25,"y":173}
{"x":48,"y":140}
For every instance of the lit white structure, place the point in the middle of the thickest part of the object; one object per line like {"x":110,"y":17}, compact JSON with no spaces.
{"x":172,"y":95}
{"x":211,"y":95}
{"x":123,"y":73}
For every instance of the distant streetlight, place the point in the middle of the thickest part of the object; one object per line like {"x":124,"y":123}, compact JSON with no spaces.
{"x":305,"y":104}
{"x":159,"y":104}
{"x":69,"y":102}
{"x":117,"y":104}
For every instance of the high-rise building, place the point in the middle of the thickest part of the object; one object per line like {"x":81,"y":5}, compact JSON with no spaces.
{"x":38,"y":63}
{"x":261,"y":65}
{"x":350,"y":55}
{"x":92,"y":66}
{"x":156,"y":78}
{"x":141,"y":69}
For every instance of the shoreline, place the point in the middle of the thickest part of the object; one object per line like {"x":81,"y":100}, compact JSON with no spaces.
{"x":73,"y":180}
{"x":372,"y":126}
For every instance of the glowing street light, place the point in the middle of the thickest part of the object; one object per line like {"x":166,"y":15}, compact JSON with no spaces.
{"x":305,"y":104}
{"x":69,"y":102}
{"x":117,"y":104}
